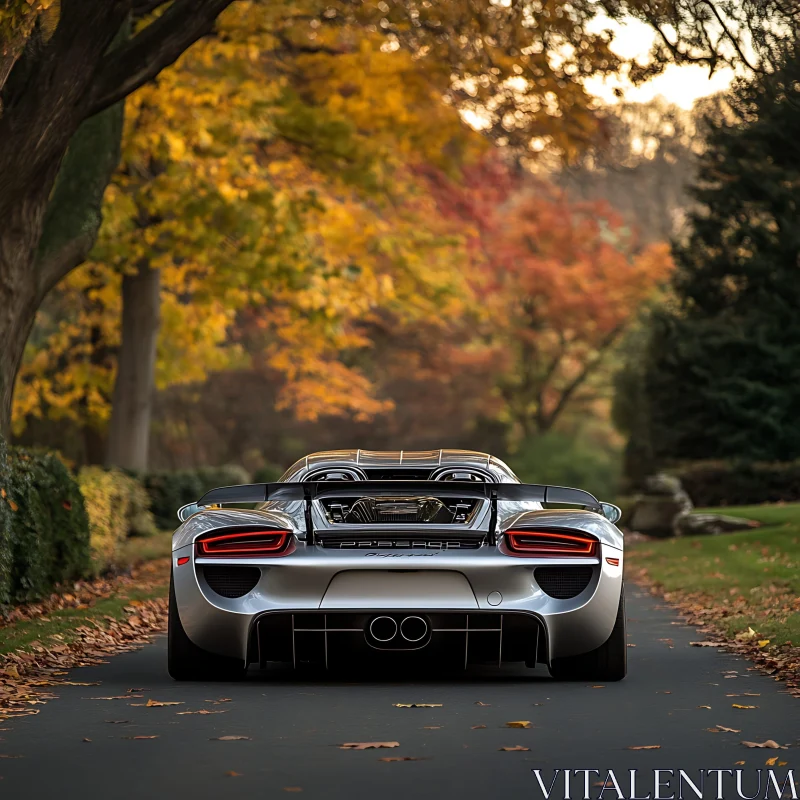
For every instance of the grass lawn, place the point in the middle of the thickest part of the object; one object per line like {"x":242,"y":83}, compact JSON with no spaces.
{"x":149,"y":560}
{"x":751,"y":578}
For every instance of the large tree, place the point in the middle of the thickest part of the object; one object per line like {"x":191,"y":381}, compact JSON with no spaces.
{"x":61,"y":67}
{"x":722,"y":376}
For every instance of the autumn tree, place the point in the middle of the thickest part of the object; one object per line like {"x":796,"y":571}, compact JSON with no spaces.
{"x":65,"y":63}
{"x":558,"y":281}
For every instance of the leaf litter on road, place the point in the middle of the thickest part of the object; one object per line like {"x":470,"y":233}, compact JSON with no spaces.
{"x":158,"y":704}
{"x":367,"y":745}
{"x":522,"y":723}
{"x":202,"y":711}
{"x":770,"y":744}
{"x":231,"y":739}
{"x":515,"y":748}
{"x":645,"y":747}
{"x":417,"y":705}
{"x":741,"y":707}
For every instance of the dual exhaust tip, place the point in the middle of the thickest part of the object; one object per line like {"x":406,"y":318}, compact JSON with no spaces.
{"x":411,"y":629}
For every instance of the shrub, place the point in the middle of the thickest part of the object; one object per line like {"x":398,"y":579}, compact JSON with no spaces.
{"x":118,"y":507}
{"x":269,"y":473}
{"x":723,"y":483}
{"x":169,"y":490}
{"x":44,"y":529}
{"x":557,"y":459}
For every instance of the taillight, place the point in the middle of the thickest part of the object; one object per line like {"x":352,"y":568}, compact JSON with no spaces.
{"x":243,"y":544}
{"x":550,"y":543}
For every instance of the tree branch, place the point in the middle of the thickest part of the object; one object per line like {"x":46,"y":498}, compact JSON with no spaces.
{"x":155,"y":47}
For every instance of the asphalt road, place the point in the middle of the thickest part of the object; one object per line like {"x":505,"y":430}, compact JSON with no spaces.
{"x":296,"y":725}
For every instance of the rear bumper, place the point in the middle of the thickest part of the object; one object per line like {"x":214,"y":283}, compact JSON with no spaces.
{"x":478,"y":584}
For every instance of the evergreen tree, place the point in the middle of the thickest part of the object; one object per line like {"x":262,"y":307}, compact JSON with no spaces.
{"x":721,"y":376}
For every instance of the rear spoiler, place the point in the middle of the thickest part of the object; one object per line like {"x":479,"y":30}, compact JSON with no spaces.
{"x":520,"y":492}
{"x":310,"y":490}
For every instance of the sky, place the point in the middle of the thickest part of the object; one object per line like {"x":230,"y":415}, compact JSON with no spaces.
{"x":680,"y":85}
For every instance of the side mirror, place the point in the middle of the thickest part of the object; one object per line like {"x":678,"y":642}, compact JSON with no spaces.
{"x":611,"y":512}
{"x":184,"y":512}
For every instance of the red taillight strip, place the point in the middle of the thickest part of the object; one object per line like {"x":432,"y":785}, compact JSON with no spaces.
{"x":183,"y":560}
{"x":549,"y":543}
{"x":243,"y":543}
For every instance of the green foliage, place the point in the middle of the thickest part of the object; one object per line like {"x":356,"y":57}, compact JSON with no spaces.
{"x":169,"y":490}
{"x":722,"y":369}
{"x":562,"y":460}
{"x":44,"y":529}
{"x":269,"y":473}
{"x":118,"y":506}
{"x":721,"y":483}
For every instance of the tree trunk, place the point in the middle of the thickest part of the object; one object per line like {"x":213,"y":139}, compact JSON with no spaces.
{"x":19,"y":292}
{"x":132,"y":403}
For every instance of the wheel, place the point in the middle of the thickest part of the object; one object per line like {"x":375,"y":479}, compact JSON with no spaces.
{"x":609,"y":662}
{"x":188,"y":662}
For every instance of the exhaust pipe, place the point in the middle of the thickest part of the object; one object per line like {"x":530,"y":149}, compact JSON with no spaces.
{"x":413,"y":629}
{"x":383,"y":629}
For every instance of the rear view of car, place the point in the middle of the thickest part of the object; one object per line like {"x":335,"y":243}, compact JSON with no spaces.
{"x":439,"y":555}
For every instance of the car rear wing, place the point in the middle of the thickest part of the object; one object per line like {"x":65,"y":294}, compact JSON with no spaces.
{"x":307,"y":491}
{"x":520,"y":492}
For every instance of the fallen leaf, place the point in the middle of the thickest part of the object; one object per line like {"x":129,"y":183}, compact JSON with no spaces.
{"x":231,"y":774}
{"x":231,"y":739}
{"x":432,"y":727}
{"x":763,"y":643}
{"x":708,"y":707}
{"x":116,"y":697}
{"x":87,"y":740}
{"x":728,"y":730}
{"x":772,"y":761}
{"x":140,"y":737}
{"x":598,"y":687}
{"x":782,"y":763}
{"x":131,"y":691}
{"x":477,"y":727}
{"x":4,"y":755}
{"x":515,"y":748}
{"x":157,"y":704}
{"x":770,"y":744}
{"x":221,"y":700}
{"x":117,"y":721}
{"x":751,"y":694}
{"x":399,"y":758}
{"x":292,"y":789}
{"x":202,"y":711}
{"x":646,"y":747}
{"x":739,"y":764}
{"x":478,"y":703}
{"x":417,"y":705}
{"x":706,"y":644}
{"x":736,"y":705}
{"x":367,"y":745}
{"x":523,"y":723}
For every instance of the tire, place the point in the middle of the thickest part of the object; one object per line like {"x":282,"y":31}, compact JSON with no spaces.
{"x":609,"y":662}
{"x":188,"y":662}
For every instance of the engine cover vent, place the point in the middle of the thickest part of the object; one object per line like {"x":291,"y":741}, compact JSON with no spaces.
{"x":563,"y":583}
{"x":369,"y":510}
{"x":231,"y":581}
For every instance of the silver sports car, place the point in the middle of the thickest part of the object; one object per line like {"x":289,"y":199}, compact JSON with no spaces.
{"x":438,"y":555}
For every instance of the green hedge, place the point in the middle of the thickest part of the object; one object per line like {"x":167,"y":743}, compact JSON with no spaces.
{"x":118,"y":507}
{"x":720,"y":483}
{"x":44,"y":528}
{"x":169,"y":490}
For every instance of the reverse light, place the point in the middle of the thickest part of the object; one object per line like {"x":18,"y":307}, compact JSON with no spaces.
{"x":550,"y":543}
{"x":243,"y":544}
